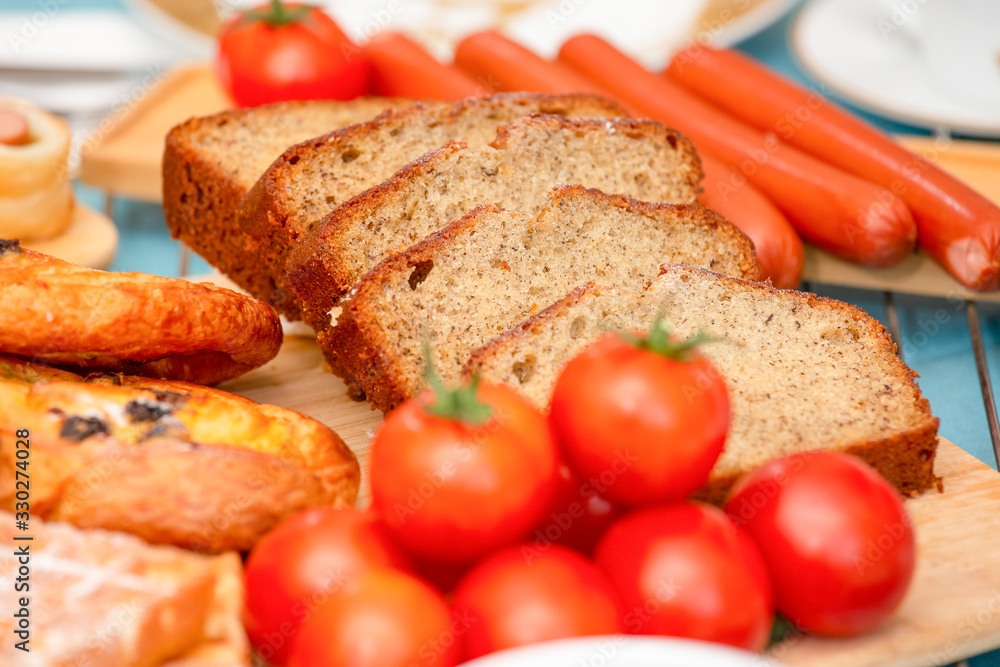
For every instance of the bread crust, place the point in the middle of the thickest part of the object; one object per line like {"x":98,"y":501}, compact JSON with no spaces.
{"x":78,"y":318}
{"x":905,"y":457}
{"x":316,"y":268}
{"x":359,"y":342}
{"x":171,"y":462}
{"x":199,"y":203}
{"x":739,"y":243}
{"x":201,"y":195}
{"x":272,"y":224}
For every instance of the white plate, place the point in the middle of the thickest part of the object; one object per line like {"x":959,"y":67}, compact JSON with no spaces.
{"x":623,"y":651}
{"x":85,"y":40}
{"x":753,"y":21}
{"x":649,"y":30}
{"x":931,"y":63}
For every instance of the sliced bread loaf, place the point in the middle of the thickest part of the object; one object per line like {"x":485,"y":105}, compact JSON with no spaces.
{"x":314,"y":177}
{"x":639,"y":158}
{"x":210,"y":163}
{"x":803,"y":372}
{"x":491,"y":269}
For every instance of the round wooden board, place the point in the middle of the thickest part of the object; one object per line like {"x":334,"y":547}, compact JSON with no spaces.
{"x":90,"y":240}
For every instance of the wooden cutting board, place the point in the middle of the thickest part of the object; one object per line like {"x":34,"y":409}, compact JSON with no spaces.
{"x":90,"y":240}
{"x":976,"y":163}
{"x":125,"y":157}
{"x":951,"y":612}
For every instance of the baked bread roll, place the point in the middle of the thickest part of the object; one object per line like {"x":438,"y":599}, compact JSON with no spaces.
{"x":36,"y":197}
{"x":86,"y":320}
{"x":173,"y":463}
{"x":15,"y":368}
{"x":109,"y":599}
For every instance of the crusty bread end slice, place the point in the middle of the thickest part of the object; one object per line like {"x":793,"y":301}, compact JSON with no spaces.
{"x":803,"y":372}
{"x":491,"y":269}
{"x":211,"y":162}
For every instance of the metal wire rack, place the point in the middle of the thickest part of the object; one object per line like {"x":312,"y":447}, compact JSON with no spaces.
{"x":978,"y":350}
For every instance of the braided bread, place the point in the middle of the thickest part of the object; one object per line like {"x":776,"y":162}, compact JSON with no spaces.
{"x":81,"y":319}
{"x":171,"y":462}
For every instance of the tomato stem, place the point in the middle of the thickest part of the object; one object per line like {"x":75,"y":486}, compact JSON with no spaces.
{"x":279,"y":15}
{"x":458,"y":403}
{"x":659,"y":341}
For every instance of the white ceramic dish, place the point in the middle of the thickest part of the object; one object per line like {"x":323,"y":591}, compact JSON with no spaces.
{"x":79,"y":41}
{"x":930,"y":63}
{"x":648,"y":29}
{"x":623,"y":651}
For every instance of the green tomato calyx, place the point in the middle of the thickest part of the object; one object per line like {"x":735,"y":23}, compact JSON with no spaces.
{"x":659,"y":341}
{"x":279,"y":15}
{"x":454,"y":403}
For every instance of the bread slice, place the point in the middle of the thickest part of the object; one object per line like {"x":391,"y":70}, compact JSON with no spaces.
{"x":491,"y":269}
{"x":109,"y":599}
{"x":803,"y":372}
{"x":311,"y":179}
{"x":639,"y":158}
{"x":210,"y":163}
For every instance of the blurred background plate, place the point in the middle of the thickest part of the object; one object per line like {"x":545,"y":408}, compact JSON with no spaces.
{"x":540,"y":24}
{"x":930,"y":63}
{"x":622,"y":651}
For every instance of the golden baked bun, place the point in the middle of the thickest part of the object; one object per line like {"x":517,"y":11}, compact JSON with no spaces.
{"x":36,"y":197}
{"x":81,"y":319}
{"x":40,"y":215}
{"x":172,"y":463}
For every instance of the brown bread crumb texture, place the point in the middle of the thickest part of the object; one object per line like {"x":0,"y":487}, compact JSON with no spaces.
{"x":638,"y":158}
{"x":313,"y":178}
{"x":803,"y":372}
{"x":493,"y":268}
{"x":210,"y":163}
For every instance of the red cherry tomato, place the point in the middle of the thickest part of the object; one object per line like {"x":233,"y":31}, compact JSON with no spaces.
{"x":303,"y":562}
{"x":578,"y":516}
{"x":686,"y":570}
{"x":519,"y":596}
{"x":289,"y":52}
{"x":452,"y":490}
{"x":387,"y":619}
{"x":644,"y":426}
{"x":835,"y":536}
